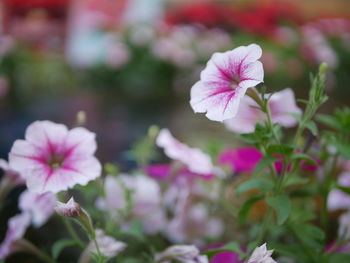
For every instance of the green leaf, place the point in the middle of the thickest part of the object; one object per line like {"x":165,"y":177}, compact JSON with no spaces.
{"x":261,"y":183}
{"x":244,"y":210}
{"x":303,"y":101}
{"x":248,"y":138}
{"x":309,"y":234}
{"x":282,"y":205}
{"x":232,"y":246}
{"x":264,"y":162}
{"x":339,"y":258}
{"x":304,"y":156}
{"x":312,"y":127}
{"x":343,"y":148}
{"x":60,"y":245}
{"x":284,"y":150}
{"x":329,"y":121}
{"x":295,"y":179}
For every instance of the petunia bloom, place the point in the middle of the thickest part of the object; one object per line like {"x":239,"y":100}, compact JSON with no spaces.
{"x":181,"y":253}
{"x":13,"y":175}
{"x":53,"y":158}
{"x":241,"y":159}
{"x":17,"y":227}
{"x":337,"y":199}
{"x":193,"y":158}
{"x":108,"y":246}
{"x":281,"y":104}
{"x":261,"y":255}
{"x":39,"y":206}
{"x":146,"y":200}
{"x":225,"y":80}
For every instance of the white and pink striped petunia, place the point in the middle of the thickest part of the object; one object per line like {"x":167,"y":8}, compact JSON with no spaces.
{"x":193,"y":158}
{"x":225,"y":80}
{"x":53,"y":158}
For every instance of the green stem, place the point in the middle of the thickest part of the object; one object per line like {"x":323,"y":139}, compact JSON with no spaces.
{"x":72,"y":231}
{"x":264,"y":226}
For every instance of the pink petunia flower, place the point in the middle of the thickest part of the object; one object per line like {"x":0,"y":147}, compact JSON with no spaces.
{"x":337,"y":199}
{"x":193,"y":158}
{"x":181,"y":253}
{"x":146,"y":198}
{"x":13,"y":175}
{"x":261,"y":255}
{"x":281,"y":104}
{"x":53,"y":158}
{"x":225,"y":80}
{"x":241,"y":159}
{"x":108,"y":246}
{"x":39,"y":206}
{"x":17,"y":227}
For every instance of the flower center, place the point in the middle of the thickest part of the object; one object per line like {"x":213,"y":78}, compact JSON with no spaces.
{"x":55,"y":161}
{"x":235,"y":81}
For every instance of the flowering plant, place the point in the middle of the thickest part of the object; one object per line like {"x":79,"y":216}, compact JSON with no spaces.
{"x":274,"y":201}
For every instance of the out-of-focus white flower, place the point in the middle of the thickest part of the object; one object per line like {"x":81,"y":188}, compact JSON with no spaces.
{"x":146,"y":199}
{"x":261,"y":255}
{"x":10,"y":173}
{"x":281,"y":105}
{"x":193,"y":158}
{"x":108,"y":245}
{"x":17,"y":227}
{"x":182,"y":253}
{"x":141,"y":35}
{"x":344,"y":225}
{"x":39,"y":206}
{"x":317,"y":48}
{"x":337,"y":199}
{"x":118,"y":55}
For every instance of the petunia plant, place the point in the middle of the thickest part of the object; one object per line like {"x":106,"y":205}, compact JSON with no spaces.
{"x":282,"y":197}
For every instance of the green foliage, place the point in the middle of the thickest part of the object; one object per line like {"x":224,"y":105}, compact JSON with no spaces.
{"x":260,"y":183}
{"x":60,"y":245}
{"x":282,"y":206}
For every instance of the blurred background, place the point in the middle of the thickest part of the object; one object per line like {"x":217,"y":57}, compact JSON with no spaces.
{"x":131,"y":63}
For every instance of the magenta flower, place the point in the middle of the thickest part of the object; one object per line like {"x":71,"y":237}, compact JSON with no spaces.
{"x":226,"y":257}
{"x":225,"y":80}
{"x":39,"y":206}
{"x":241,"y":159}
{"x":195,"y":160}
{"x":17,"y":227}
{"x":53,"y":158}
{"x":261,"y":255}
{"x":281,"y":104}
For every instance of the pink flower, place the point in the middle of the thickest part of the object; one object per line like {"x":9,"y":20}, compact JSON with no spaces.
{"x":146,"y":198}
{"x":108,"y":246}
{"x":181,"y":253}
{"x":337,"y":199}
{"x":281,"y":105}
{"x":225,"y":80}
{"x":158,"y":171}
{"x":193,"y":158}
{"x":53,"y":158}
{"x":13,"y":175}
{"x":39,"y":206}
{"x":226,"y":257}
{"x":261,"y":255}
{"x":17,"y":227}
{"x":241,"y":159}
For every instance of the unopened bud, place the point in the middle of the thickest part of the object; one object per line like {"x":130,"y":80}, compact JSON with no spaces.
{"x":81,"y":118}
{"x":323,"y":68}
{"x":73,"y":209}
{"x":153,"y":131}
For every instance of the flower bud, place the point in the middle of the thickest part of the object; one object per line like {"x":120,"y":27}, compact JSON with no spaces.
{"x":72,"y":209}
